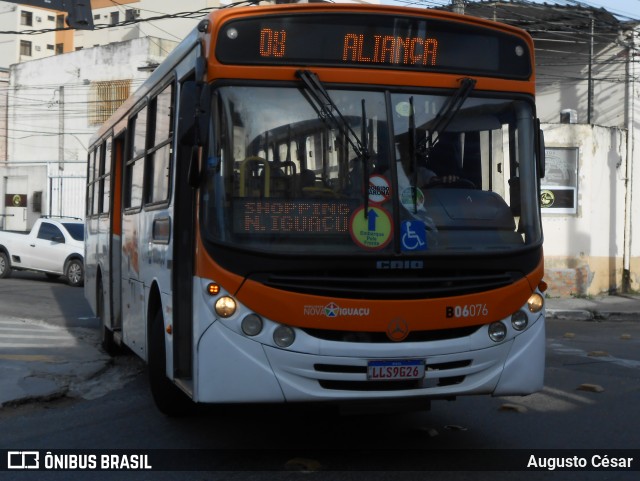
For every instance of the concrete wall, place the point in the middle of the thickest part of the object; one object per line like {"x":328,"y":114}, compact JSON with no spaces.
{"x":597,"y":249}
{"x":35,"y":177}
{"x":584,"y":251}
{"x":48,"y":110}
{"x":171,"y":29}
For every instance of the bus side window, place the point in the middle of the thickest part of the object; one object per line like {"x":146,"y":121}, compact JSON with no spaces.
{"x":134,"y":173}
{"x":159,"y":159}
{"x":90,"y":182}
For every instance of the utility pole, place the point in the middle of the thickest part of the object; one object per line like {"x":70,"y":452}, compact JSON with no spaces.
{"x":61,"y":127}
{"x":458,"y":6}
{"x":590,"y":76}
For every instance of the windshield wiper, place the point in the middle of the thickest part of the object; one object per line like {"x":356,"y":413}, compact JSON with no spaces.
{"x":328,"y":112}
{"x":413,"y":152}
{"x":444,"y":117}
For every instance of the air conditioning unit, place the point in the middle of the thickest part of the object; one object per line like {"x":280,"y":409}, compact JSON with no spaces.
{"x":38,"y":19}
{"x":568,"y":116}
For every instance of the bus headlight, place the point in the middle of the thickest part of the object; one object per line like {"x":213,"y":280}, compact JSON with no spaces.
{"x":251,"y":325}
{"x":535,"y":302}
{"x":497,"y":331}
{"x":519,"y":320}
{"x":284,"y":336}
{"x":225,"y":306}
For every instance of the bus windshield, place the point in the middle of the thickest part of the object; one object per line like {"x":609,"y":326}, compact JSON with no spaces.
{"x":283,"y":178}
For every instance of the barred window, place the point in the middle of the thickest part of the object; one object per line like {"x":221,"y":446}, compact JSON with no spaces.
{"x":25,"y":48}
{"x":105,"y":98}
{"x":26,"y":18}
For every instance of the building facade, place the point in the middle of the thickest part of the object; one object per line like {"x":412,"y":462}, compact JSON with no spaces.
{"x":588,"y":100}
{"x":17,"y":47}
{"x":52,"y":117}
{"x":45,"y":32}
{"x":51,"y":104}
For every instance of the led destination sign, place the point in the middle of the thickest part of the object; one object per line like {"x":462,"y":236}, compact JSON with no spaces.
{"x":360,"y":48}
{"x":264,"y":216}
{"x":382,"y":41}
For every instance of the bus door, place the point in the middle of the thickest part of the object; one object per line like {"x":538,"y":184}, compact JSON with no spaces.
{"x":133,"y":235}
{"x":115,"y":242}
{"x":184,"y":219}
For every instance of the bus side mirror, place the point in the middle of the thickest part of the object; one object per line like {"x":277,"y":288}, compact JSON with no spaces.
{"x":193,"y":124}
{"x":540,"y":153}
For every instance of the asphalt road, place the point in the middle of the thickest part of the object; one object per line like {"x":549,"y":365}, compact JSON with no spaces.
{"x":591,"y":401}
{"x":32,"y":295}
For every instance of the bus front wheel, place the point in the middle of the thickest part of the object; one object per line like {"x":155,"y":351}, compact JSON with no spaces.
{"x":169,"y":399}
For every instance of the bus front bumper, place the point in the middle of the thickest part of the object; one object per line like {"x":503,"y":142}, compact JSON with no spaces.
{"x":234,"y":368}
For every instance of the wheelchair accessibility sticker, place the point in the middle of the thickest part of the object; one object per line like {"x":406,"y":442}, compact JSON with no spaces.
{"x":373,"y":231}
{"x":414,"y":235}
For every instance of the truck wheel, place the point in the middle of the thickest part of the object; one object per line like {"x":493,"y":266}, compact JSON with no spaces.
{"x":75,"y":273}
{"x":169,"y":399}
{"x":5,"y":266}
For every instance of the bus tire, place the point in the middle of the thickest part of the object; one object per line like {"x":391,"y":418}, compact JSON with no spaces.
{"x":168,"y":398}
{"x":5,"y":266}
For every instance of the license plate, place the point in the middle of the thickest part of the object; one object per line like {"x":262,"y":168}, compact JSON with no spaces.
{"x":397,"y":370}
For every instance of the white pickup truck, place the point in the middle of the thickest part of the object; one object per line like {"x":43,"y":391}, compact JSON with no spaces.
{"x":54,"y":247}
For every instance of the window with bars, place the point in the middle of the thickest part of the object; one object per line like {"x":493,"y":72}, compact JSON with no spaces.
{"x":25,"y":48}
{"x":26,"y":18}
{"x":105,"y":98}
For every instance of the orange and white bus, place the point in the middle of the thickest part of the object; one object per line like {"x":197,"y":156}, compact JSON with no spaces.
{"x":325,"y":203}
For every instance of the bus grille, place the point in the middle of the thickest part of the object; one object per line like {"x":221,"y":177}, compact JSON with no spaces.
{"x":381,"y":337}
{"x":383,"y":287}
{"x":436,"y":377}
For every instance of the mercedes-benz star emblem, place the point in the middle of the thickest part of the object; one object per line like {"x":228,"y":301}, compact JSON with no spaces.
{"x":398,"y":330}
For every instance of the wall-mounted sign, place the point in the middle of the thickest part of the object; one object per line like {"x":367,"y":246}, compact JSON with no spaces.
{"x":15,"y":200}
{"x":559,"y":191}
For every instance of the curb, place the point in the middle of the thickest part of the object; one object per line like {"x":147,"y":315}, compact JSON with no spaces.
{"x":586,"y":315}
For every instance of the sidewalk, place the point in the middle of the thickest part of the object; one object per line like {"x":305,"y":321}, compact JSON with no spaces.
{"x":625,"y":307}
{"x":39,"y":361}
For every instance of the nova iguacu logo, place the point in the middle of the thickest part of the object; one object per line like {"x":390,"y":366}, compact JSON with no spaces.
{"x":333,"y":310}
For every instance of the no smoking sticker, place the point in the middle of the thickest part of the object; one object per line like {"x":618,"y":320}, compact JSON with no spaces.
{"x":373,"y":231}
{"x":379,"y":189}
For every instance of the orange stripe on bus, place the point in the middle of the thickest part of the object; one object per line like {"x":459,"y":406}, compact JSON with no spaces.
{"x":303,"y":310}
